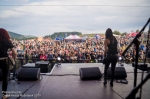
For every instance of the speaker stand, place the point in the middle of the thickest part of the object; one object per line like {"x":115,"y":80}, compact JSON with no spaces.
{"x":13,"y":77}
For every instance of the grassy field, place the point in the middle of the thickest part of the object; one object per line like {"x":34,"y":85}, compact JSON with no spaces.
{"x":90,"y":35}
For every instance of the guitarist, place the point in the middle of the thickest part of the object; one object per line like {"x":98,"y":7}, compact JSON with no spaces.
{"x":5,"y":44}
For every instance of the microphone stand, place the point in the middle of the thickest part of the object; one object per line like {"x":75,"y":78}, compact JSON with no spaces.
{"x":147,"y":42}
{"x":136,"y":42}
{"x":135,"y":90}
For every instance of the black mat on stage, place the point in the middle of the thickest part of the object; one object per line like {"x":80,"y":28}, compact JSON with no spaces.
{"x":64,"y":83}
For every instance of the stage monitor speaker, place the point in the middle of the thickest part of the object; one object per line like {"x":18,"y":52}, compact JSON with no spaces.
{"x":29,"y":74}
{"x":141,"y":66}
{"x":120,"y":73}
{"x":90,"y":73}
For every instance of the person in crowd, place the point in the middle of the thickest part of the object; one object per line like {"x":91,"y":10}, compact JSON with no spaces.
{"x":21,"y":57}
{"x":79,"y":57}
{"x":128,"y":58}
{"x":110,"y":53}
{"x":93,"y":56}
{"x":88,"y":58}
{"x":43,"y":56}
{"x":26,"y":54}
{"x":83,"y":58}
{"x":67,"y":58}
{"x":5,"y":44}
{"x":99,"y":57}
{"x":50,"y":58}
{"x":141,"y":56}
{"x":30,"y":57}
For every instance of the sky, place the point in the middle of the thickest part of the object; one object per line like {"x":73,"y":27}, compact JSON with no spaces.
{"x":44,"y":17}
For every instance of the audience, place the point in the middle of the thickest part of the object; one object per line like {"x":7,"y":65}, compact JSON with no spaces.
{"x":91,"y":50}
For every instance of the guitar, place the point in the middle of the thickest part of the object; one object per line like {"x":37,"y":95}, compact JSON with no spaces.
{"x":11,"y":63}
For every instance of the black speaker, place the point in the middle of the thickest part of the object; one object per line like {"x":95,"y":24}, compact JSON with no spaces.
{"x":43,"y":65}
{"x":29,"y":74}
{"x":141,"y":66}
{"x":90,"y":73}
{"x":120,"y":73}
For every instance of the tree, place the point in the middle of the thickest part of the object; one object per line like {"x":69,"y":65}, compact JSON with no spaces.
{"x":117,"y":32}
{"x":124,"y":33}
{"x":137,"y":31}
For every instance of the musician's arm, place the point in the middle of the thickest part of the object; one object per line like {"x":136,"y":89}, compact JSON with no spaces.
{"x":14,"y":53}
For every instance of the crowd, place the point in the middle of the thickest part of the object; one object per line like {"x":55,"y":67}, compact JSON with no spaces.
{"x":90,"y":50}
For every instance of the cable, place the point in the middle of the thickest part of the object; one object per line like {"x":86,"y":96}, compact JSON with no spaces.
{"x":81,"y":5}
{"x":117,"y":93}
{"x":29,"y":87}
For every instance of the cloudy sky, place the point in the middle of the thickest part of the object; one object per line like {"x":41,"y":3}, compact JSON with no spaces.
{"x":44,"y":17}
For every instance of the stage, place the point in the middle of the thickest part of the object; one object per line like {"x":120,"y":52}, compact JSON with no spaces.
{"x":63,"y":82}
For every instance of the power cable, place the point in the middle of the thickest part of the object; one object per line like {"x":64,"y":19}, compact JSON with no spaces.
{"x":29,"y":87}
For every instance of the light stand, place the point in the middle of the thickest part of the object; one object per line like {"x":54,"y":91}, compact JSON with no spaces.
{"x":58,"y":61}
{"x":120,"y":61}
{"x":136,"y":43}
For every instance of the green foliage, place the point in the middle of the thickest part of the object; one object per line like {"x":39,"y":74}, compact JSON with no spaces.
{"x":137,"y":31}
{"x":117,"y":32}
{"x":62,"y":34}
{"x":19,"y":36}
{"x":125,"y":33}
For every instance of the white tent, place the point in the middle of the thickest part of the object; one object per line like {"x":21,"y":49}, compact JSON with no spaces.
{"x":73,"y":38}
{"x":116,"y":35}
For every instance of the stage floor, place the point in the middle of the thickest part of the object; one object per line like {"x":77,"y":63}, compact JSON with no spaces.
{"x":64,"y":83}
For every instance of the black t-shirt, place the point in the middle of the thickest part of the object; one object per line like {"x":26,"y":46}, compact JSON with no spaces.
{"x":4,"y":46}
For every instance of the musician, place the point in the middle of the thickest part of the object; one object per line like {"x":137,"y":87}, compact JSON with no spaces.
{"x":5,"y":44}
{"x":110,"y":53}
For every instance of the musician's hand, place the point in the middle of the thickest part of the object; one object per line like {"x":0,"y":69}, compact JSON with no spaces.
{"x":14,"y":63}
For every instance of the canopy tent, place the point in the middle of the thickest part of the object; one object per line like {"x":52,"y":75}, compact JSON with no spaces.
{"x":116,"y":35}
{"x":73,"y":38}
{"x":132,"y":34}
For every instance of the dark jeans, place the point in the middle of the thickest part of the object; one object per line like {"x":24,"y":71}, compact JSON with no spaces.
{"x":5,"y":70}
{"x":113,"y":61}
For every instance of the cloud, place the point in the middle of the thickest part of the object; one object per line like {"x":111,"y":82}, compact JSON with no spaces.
{"x":48,"y":16}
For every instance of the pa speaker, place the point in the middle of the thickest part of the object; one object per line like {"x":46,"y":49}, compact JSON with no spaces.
{"x":43,"y":65}
{"x":29,"y":74}
{"x":91,"y":73}
{"x":120,"y":73}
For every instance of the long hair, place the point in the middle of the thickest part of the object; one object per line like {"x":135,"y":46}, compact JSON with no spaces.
{"x":108,"y":34}
{"x":4,"y":35}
